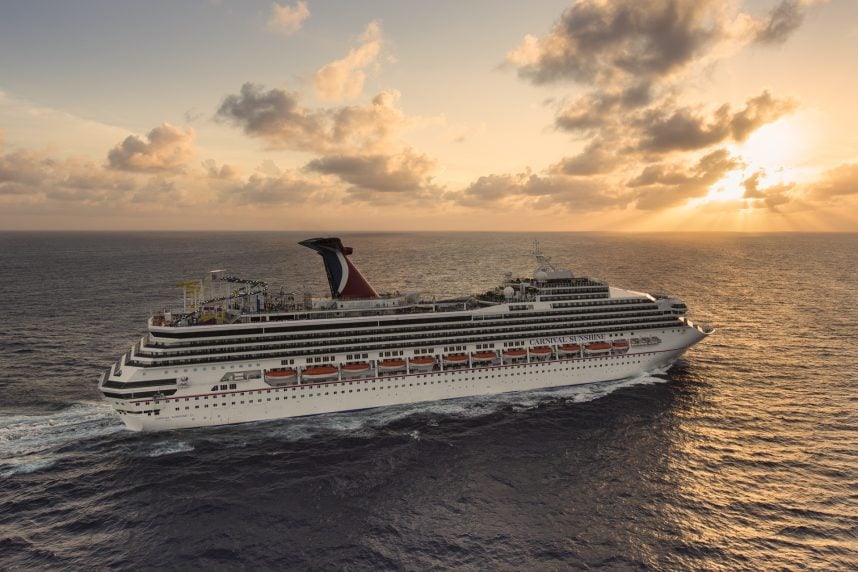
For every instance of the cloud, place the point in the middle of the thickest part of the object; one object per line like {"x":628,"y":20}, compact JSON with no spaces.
{"x":166,"y":149}
{"x":405,"y":172}
{"x":751,"y":185}
{"x":599,"y":41}
{"x":596,"y":159}
{"x":660,"y":186}
{"x":344,"y":78}
{"x":286,"y":188}
{"x":598,"y":109}
{"x":771,"y":197}
{"x":157,"y":191}
{"x":34,"y":175}
{"x":758,"y":111}
{"x":683,"y":129}
{"x":838,"y":182}
{"x":225,"y":172}
{"x":784,"y":19}
{"x":632,"y":57}
{"x":276,"y":116}
{"x":288,"y":19}
{"x":22,"y":170}
{"x":510,"y":190}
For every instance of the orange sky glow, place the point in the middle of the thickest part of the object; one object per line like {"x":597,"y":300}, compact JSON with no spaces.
{"x":584,"y":115}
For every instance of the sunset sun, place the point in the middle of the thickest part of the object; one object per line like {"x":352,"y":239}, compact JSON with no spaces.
{"x":767,"y":159}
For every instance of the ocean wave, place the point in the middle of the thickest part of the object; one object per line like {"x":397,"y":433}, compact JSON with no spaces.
{"x":25,"y":467}
{"x":170,"y":448}
{"x":369,"y":422}
{"x":26,"y":439}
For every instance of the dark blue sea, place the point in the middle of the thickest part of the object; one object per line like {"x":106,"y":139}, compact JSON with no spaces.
{"x":743,"y":456}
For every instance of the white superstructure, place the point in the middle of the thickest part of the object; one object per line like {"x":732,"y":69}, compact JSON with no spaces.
{"x":236,"y":353}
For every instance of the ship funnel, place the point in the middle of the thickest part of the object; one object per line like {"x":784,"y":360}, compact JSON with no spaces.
{"x":345,"y":280}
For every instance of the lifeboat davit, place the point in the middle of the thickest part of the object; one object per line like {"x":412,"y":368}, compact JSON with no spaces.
{"x":456,"y":359}
{"x":620,"y":346}
{"x":483,"y":357}
{"x":281,"y":376}
{"x":320,"y":372}
{"x":569,"y":350}
{"x":391,"y":365}
{"x":514,"y":354}
{"x":422,"y":362}
{"x":355,"y":369}
{"x":541,"y":352}
{"x":597,"y":347}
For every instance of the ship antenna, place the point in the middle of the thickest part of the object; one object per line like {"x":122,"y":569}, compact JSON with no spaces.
{"x":544,"y":261}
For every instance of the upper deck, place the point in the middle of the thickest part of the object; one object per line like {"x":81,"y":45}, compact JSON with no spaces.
{"x":221,"y":299}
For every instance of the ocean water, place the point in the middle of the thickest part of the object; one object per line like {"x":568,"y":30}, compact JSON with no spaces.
{"x":744,"y":455}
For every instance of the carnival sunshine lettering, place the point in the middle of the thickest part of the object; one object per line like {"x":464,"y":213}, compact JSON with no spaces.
{"x":566,"y":339}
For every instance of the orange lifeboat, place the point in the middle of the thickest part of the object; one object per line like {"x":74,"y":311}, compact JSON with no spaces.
{"x":456,"y":359}
{"x":320,"y":372}
{"x":283,"y":376}
{"x":355,"y":369}
{"x":597,"y":347}
{"x":514,"y":354}
{"x":391,"y":365}
{"x":422,"y":362}
{"x":540,"y":352}
{"x":569,"y":350}
{"x":620,"y":346}
{"x":483,"y":357}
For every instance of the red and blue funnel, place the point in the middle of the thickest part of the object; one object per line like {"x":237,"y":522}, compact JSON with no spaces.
{"x":345,"y":280}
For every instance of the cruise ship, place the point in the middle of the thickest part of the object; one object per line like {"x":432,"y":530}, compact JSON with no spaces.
{"x":235,"y":352}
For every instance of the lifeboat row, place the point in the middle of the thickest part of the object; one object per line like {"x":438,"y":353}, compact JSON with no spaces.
{"x":289,"y":376}
{"x":569,"y":350}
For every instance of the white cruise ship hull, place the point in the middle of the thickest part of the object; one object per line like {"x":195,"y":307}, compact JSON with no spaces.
{"x":195,"y":405}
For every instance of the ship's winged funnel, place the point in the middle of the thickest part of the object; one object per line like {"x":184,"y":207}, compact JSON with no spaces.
{"x":345,"y":280}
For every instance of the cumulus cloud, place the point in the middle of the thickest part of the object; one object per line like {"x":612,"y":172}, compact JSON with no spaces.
{"x":277,"y":117}
{"x":504,"y":190}
{"x":595,"y":159}
{"x":752,"y":186}
{"x":631,"y":57}
{"x":165,"y":149}
{"x":770,"y":197}
{"x":840,"y":181}
{"x":683,"y":129}
{"x":405,"y":172}
{"x":288,"y":19}
{"x":784,"y":19}
{"x":224,"y":172}
{"x":286,"y":188}
{"x":33,"y":174}
{"x":598,"y":41}
{"x":598,"y":109}
{"x":157,"y":190}
{"x":22,"y":170}
{"x":659,"y":186}
{"x":344,"y":78}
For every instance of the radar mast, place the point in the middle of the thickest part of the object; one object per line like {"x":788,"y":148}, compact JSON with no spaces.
{"x":544,"y":261}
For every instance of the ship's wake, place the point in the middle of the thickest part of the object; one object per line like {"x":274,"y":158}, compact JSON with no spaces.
{"x":30,"y":443}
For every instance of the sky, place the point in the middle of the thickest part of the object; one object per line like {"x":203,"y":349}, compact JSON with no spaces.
{"x":588,"y":115}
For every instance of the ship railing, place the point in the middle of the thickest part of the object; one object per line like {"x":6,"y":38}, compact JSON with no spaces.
{"x":105,"y":374}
